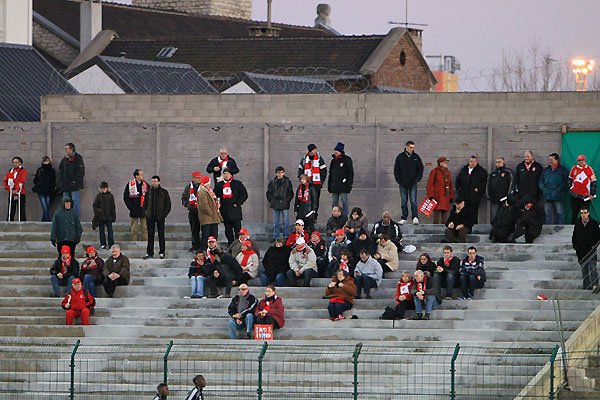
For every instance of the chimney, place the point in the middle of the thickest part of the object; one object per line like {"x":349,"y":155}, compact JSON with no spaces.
{"x":16,"y":21}
{"x":264,"y":30}
{"x":90,"y":21}
{"x":323,"y":13}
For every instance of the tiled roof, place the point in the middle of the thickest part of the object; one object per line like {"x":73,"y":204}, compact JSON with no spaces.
{"x":272,"y":84}
{"x":390,"y":89}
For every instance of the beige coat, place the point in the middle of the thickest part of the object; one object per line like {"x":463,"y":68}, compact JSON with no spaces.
{"x":389,"y":252}
{"x":207,"y":208}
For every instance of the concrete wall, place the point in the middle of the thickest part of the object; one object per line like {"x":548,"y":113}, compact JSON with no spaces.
{"x":228,"y":8}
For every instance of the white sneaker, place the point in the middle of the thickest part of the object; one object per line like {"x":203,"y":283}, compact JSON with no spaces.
{"x":415,"y":221}
{"x":402,"y":222}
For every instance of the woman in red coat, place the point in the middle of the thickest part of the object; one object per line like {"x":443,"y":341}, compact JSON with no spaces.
{"x":270,"y":310}
{"x":439,"y":187}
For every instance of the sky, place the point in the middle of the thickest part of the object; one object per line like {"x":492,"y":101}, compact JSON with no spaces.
{"x":477,"y":32}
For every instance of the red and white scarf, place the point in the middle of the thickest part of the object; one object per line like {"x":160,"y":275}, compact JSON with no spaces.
{"x":304,"y":193}
{"x":344,"y":265}
{"x":227,"y":192}
{"x":223,"y":163}
{"x":15,"y":173}
{"x":193,"y":199}
{"x":210,"y":255}
{"x":421,"y":286}
{"x":312,"y":169}
{"x":268,"y":303}
{"x":133,"y":190}
{"x":64,"y":266}
{"x":89,"y":264}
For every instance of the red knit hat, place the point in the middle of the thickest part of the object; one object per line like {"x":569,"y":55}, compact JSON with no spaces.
{"x":65,"y":249}
{"x":91,"y":248}
{"x":243,"y":231}
{"x":205,"y":180}
{"x":316,"y":233}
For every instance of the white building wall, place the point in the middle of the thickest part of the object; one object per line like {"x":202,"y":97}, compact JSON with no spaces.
{"x":94,"y":81}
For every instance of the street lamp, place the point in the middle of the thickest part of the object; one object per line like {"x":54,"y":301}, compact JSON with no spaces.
{"x":581,"y":68}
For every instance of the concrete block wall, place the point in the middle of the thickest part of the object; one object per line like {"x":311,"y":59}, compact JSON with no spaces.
{"x":228,"y":8}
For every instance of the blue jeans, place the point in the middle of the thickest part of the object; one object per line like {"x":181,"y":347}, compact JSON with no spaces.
{"x":57,"y":283}
{"x":234,"y":327}
{"x":45,"y":202}
{"x":335,"y":201}
{"x":89,"y":284}
{"x":108,"y":225}
{"x":430,"y":303}
{"x":279,"y":279}
{"x":445,"y":280}
{"x":364,"y":281}
{"x":281,"y":216}
{"x":197,"y":283}
{"x":552,"y":207}
{"x":405,"y":194}
{"x":75,"y":197}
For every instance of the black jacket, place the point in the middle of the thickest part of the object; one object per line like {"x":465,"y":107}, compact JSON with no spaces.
{"x":231,"y":166}
{"x":333,"y":224}
{"x":104,"y":207}
{"x":392,"y":230}
{"x":341,"y":174}
{"x":134,"y":204}
{"x":357,"y":245}
{"x":499,"y":184}
{"x":280,"y":193}
{"x":304,"y":207}
{"x":229,"y":266}
{"x":71,"y":270}
{"x":466,"y":184}
{"x":464,"y":217}
{"x":533,"y":218}
{"x":504,"y":221}
{"x":408,"y":170}
{"x":157,"y":204}
{"x":432,"y":288}
{"x":44,"y":180}
{"x":276,"y":260}
{"x":70,"y":173}
{"x":247,"y":308}
{"x":204,"y":270}
{"x":320,"y":248}
{"x":231,"y":208}
{"x":453,"y":267}
{"x":527,"y":181}
{"x":585,"y":237}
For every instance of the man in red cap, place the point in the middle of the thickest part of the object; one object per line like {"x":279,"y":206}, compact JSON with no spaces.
{"x":582,"y":183}
{"x":189,"y":199}
{"x":64,"y":270}
{"x":79,"y":303}
{"x":236,"y":246}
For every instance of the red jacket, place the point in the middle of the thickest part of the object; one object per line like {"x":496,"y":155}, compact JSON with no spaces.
{"x":291,"y":242}
{"x":436,"y":188}
{"x":20,"y":178}
{"x":78,"y":300}
{"x":275,"y":310}
{"x":403,"y":288}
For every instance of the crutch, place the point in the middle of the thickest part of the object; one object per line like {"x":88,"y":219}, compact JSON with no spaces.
{"x":9,"y":201}
{"x":19,"y":201}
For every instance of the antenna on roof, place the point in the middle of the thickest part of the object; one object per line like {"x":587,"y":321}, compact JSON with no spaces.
{"x":405,"y":23}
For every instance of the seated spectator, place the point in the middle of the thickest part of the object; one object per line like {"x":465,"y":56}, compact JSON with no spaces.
{"x":386,"y":226}
{"x":345,"y":262}
{"x":426,"y":294}
{"x":340,"y":291}
{"x":276,"y":262}
{"x":531,"y":217}
{"x":212,"y":246}
{"x":335,"y":222}
{"x":459,"y":223}
{"x":235,"y":247}
{"x":404,"y":300}
{"x":362,"y":241}
{"x":270,"y":310}
{"x":356,"y":222}
{"x":116,"y":270}
{"x":64,"y":270}
{"x":387,"y":254}
{"x":299,"y":232}
{"x":320,"y":248}
{"x":227,"y":272}
{"x":78,"y":303}
{"x":503,"y":223}
{"x":241,"y":310}
{"x":248,"y":260}
{"x":335,"y":250}
{"x":426,"y":265}
{"x":91,"y":271}
{"x":306,"y":203}
{"x":368,"y":274}
{"x":303,"y":264}
{"x":200,"y":269}
{"x":446,"y":272}
{"x":472,"y":274}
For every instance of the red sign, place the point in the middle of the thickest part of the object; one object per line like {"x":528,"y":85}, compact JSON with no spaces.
{"x":427,"y":206}
{"x":263,"y":332}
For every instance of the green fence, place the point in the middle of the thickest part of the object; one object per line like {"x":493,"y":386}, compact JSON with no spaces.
{"x":272,"y":371}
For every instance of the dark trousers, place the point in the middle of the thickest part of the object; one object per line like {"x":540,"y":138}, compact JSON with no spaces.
{"x":160,"y":226}
{"x":108,"y":225}
{"x":364,"y":281}
{"x":589,"y":272}
{"x":71,"y":245}
{"x":208,"y":230}
{"x":266,"y":320}
{"x":245,"y":278}
{"x":337,"y":309}
{"x":110,"y":285}
{"x":232,"y":228}
{"x":224,"y":280}
{"x":195,"y":227}
{"x":457,"y":236}
{"x":445,"y":280}
{"x":473,"y":209}
{"x":530,"y":232}
{"x":309,"y":223}
{"x":576,"y":205}
{"x":318,"y":192}
{"x":14,"y":207}
{"x":469,"y":283}
{"x":306,"y":277}
{"x":402,"y":306}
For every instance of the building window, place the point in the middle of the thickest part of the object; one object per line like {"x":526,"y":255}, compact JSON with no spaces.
{"x":402,"y":57}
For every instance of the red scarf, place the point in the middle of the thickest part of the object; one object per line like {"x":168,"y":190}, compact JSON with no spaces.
{"x":63,"y":267}
{"x":247,"y":254}
{"x":210,"y":255}
{"x":89,"y":263}
{"x":193,"y":199}
{"x":422,"y":285}
{"x":227,"y":193}
{"x":311,"y":168}
{"x":223,"y":163}
{"x":304,"y":194}
{"x":447,"y":262}
{"x":133,"y":191}
{"x":528,"y":165}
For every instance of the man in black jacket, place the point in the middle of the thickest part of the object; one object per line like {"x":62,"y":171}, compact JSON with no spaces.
{"x":408,"y":171}
{"x":530,"y":220}
{"x":586,"y":235}
{"x":527,"y":177}
{"x":470,"y":185}
{"x":387,"y":226}
{"x":241,"y":310}
{"x":503,"y":223}
{"x":446,"y":273}
{"x":279,"y":195}
{"x":335,"y":222}
{"x":189,"y":199}
{"x":499,"y":185}
{"x":71,"y":171}
{"x":232,"y":194}
{"x":133,"y":196}
{"x":157,"y":205}
{"x":227,"y":273}
{"x":459,"y":223}
{"x":341,"y":177}
{"x":217,"y":166}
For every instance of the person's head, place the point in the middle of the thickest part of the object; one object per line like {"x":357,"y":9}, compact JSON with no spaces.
{"x":155,"y":182}
{"x":336,"y":211}
{"x":581,"y":159}
{"x":138,"y":174}
{"x":299,"y":226}
{"x":459,"y":203}
{"x":196,"y":177}
{"x":356,"y":213}
{"x":340,"y":235}
{"x":200,"y":257}
{"x":448,"y":252}
{"x":424,"y":258}
{"x":46,"y":160}
{"x":70,"y":149}
{"x":528,"y":156}
{"x":312,"y":149}
{"x":279,"y":172}
{"x":304,"y":179}
{"x":104,"y":186}
{"x":500,"y":162}
{"x":162,"y":389}
{"x":279,"y":243}
{"x":227,"y":174}
{"x":472,"y":252}
{"x":91,"y":252}
{"x":67,"y":203}
{"x":243,"y":289}
{"x":406,"y":277}
{"x":339,"y":149}
{"x":243,"y":234}
{"x":115,"y":250}
{"x":383,"y":238}
{"x":386,"y":217}
{"x":364,"y":255}
{"x":199,"y":381}
{"x":315,"y":237}
{"x":212,"y":242}
{"x":300,"y":244}
{"x":341,"y":274}
{"x":553,"y":159}
{"x":65,"y":253}
{"x":473,"y":162}
{"x":17,"y":161}
{"x":246,"y":245}
{"x":346,"y":255}
{"x":409,"y":147}
{"x":218,"y":253}
{"x":76,"y":284}
{"x":362,"y":234}
{"x":442,"y":162}
{"x":270,"y":291}
{"x":585,"y":214}
{"x":419,"y":275}
{"x":223,"y":153}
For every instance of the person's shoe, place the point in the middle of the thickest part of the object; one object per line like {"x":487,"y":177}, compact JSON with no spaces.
{"x":54,"y":295}
{"x":417,"y":317}
{"x":463,"y":298}
{"x":426,"y":317}
{"x":220,"y":296}
{"x":195,"y":296}
{"x":402,"y":221}
{"x":109,"y":295}
{"x":469,"y":297}
{"x":369,"y":297}
{"x":444,"y":241}
{"x":415,"y":221}
{"x":359,"y":297}
{"x":162,"y":256}
{"x":103,"y":247}
{"x":248,"y":335}
{"x":147,"y":256}
{"x":340,"y":317}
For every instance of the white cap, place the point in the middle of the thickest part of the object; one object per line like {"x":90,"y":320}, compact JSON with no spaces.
{"x":300,"y":241}
{"x":299,"y":222}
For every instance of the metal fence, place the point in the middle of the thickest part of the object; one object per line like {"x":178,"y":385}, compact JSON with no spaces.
{"x":273,"y":371}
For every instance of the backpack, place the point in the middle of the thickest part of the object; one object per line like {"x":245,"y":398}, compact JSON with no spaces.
{"x":389,"y":313}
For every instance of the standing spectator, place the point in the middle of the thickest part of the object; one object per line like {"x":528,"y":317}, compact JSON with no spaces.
{"x":340,"y":292}
{"x":71,"y":171}
{"x":232,"y":195}
{"x":313,"y":166}
{"x":503,"y":223}
{"x":320,"y":248}
{"x":248,"y":260}
{"x":66,"y":228}
{"x":426,"y":264}
{"x":387,"y":254}
{"x":208,"y":212}
{"x":276,"y":262}
{"x":116,"y":270}
{"x":227,"y":273}
{"x":235,"y":248}
{"x":104,"y":215}
{"x":408,"y":171}
{"x":91,"y":271}
{"x":335,"y":222}
{"x":553,"y":183}
{"x":586,"y":236}
{"x":389,"y":227}
{"x":14,"y":183}
{"x":404,"y":300}
{"x":355,"y":223}
{"x":368,"y":274}
{"x":189,"y":199}
{"x":447,"y":271}
{"x":196,"y":393}
{"x":162,"y":392}
{"x":439,"y":188}
{"x":270,"y":310}
{"x":133,"y":196}
{"x":531,"y":217}
{"x":157,"y":205}
{"x":241,"y":310}
{"x":472,"y":274}
{"x":305,"y":203}
{"x":499,"y":185}
{"x":341,"y":177}
{"x":303,"y":264}
{"x":219,"y":164}
{"x":199,"y":270}
{"x":78,"y":303}
{"x":459,"y":223}
{"x":527,"y":177}
{"x":426,"y":293}
{"x":470,"y":185}
{"x":64,"y":270}
{"x":43,"y":184}
{"x":339,"y":244}
{"x":299,"y":232}
{"x":582,"y":182}
{"x":279,"y":196}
